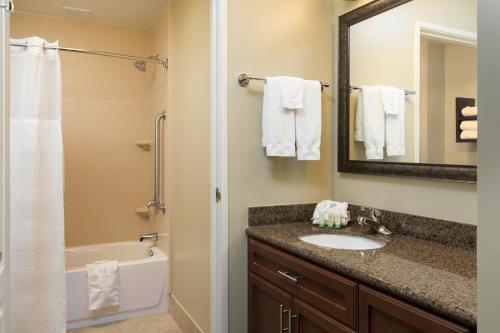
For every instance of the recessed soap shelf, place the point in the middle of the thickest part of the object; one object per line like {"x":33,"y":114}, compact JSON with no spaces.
{"x":146,"y":145}
{"x":143,"y":211}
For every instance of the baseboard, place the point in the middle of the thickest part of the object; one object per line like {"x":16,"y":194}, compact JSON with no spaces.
{"x":186,"y":323}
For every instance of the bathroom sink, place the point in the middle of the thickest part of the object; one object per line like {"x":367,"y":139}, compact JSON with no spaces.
{"x":344,"y":242}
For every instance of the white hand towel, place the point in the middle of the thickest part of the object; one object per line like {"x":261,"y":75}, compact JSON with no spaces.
{"x":370,"y":122}
{"x":308,"y":123}
{"x":393,"y":100}
{"x":102,"y":284}
{"x":292,"y":92}
{"x":468,"y":125}
{"x":469,"y":111}
{"x":278,"y":123}
{"x":467,"y":135}
{"x":327,"y":205}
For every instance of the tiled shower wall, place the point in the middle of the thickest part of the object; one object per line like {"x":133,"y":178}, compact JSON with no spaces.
{"x":108,"y":106}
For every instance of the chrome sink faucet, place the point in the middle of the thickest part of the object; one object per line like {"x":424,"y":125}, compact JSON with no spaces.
{"x":373,"y":221}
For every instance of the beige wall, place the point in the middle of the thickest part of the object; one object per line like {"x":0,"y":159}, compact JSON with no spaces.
{"x":447,"y":200}
{"x":461,"y":81}
{"x":104,"y":114}
{"x":432,"y":101}
{"x":158,"y":102}
{"x":189,"y":118}
{"x":266,"y":38}
{"x":450,"y":72}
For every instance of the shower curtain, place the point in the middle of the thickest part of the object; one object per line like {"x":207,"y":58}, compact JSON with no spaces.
{"x":37,"y":280}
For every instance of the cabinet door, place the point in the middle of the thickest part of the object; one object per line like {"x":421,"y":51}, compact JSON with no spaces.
{"x":380,"y":313}
{"x":306,"y":319}
{"x":268,"y":307}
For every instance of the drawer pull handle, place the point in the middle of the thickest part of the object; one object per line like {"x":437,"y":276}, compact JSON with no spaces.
{"x":289,"y":277}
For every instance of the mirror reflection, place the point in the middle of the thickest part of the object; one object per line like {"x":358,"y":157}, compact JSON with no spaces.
{"x":413,"y":84}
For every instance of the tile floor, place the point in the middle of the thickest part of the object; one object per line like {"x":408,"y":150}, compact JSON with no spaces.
{"x":162,"y":323}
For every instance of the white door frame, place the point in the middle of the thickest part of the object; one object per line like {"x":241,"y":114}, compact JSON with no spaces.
{"x":438,"y":32}
{"x":4,"y":165}
{"x":219,"y":170}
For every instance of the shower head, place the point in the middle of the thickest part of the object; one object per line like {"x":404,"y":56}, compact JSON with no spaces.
{"x":140,"y":65}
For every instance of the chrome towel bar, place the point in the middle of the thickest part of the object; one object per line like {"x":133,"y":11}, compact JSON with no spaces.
{"x":244,"y":80}
{"x":407,"y":92}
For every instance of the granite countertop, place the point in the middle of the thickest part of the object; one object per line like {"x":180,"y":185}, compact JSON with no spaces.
{"x":435,"y":276}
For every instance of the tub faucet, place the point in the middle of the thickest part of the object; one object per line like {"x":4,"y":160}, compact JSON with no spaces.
{"x":373,"y":221}
{"x":152,"y":236}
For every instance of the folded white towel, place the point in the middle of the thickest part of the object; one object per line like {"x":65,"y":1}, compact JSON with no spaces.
{"x":370,"y":122}
{"x":278,"y":123}
{"x":308,"y":123}
{"x":467,"y":135}
{"x":468,"y":125}
{"x":393,"y":100}
{"x":469,"y":111}
{"x":292,"y":92}
{"x":102,"y":284}
{"x":326,"y":206}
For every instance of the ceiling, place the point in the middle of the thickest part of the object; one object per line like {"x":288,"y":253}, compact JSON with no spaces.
{"x":137,"y":13}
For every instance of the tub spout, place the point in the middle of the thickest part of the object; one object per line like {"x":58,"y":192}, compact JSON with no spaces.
{"x":152,"y":236}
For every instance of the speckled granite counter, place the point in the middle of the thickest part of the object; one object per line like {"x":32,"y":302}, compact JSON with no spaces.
{"x":435,"y":276}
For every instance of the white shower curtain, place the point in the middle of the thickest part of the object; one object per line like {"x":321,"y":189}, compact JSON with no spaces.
{"x":37,"y":282}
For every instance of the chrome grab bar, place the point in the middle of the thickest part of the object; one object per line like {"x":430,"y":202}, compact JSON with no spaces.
{"x":156,"y":202}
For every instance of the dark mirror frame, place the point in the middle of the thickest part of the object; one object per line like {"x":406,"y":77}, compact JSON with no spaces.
{"x":460,"y":173}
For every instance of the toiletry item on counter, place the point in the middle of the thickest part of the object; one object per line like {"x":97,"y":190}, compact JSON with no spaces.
{"x":331,"y":214}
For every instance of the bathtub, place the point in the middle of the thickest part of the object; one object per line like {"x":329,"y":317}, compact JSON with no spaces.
{"x":142,"y":273}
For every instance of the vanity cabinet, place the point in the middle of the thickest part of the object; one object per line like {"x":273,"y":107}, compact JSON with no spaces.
{"x":289,"y":294}
{"x":380,"y":313}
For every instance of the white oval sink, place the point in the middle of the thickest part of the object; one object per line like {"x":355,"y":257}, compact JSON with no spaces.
{"x":343,"y":242}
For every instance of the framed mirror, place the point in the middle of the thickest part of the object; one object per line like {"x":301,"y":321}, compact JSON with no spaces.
{"x":408,"y":89}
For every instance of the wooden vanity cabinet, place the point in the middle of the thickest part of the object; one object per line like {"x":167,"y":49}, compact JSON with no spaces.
{"x":380,"y":313}
{"x":289,"y":295}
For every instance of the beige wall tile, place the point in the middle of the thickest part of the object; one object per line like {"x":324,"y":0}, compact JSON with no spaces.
{"x":105,"y":112}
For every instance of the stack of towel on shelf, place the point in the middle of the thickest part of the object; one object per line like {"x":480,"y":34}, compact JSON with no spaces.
{"x":380,"y":121}
{"x":291,"y":119}
{"x":469,"y":127}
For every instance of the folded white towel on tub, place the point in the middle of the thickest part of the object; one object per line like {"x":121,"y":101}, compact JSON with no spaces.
{"x":102,"y":284}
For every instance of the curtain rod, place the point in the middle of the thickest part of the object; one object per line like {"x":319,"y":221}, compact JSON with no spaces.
{"x":140,"y":62}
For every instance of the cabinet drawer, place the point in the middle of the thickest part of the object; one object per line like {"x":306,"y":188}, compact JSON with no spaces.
{"x":380,"y":313}
{"x":332,"y":294}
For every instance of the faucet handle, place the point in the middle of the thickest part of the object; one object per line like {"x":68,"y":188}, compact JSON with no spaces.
{"x":375,"y":213}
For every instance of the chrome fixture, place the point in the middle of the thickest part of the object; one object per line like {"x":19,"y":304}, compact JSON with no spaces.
{"x":8,"y":6}
{"x":407,"y":92}
{"x":156,"y":202}
{"x":152,"y":236}
{"x":244,"y":80}
{"x":373,"y":221}
{"x":139,"y":62}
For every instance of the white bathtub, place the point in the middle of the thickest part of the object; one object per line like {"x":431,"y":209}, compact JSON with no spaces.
{"x":142,"y":271}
